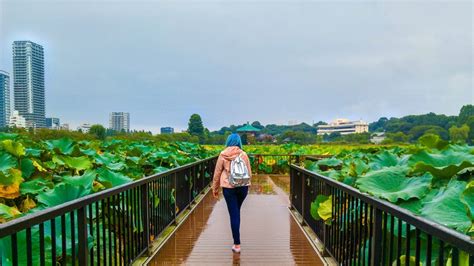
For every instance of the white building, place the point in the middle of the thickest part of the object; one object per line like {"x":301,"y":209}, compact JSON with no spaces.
{"x":64,"y":126}
{"x":344,"y":126}
{"x":16,"y":120}
{"x":84,"y":128}
{"x":377,"y":137}
{"x":119,"y":121}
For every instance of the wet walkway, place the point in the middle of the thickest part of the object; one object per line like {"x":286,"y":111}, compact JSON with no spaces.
{"x":269,"y":235}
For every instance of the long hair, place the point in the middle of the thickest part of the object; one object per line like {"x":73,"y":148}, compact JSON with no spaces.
{"x":233,"y":140}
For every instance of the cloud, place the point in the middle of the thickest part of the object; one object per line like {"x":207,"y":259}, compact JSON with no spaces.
{"x":242,"y":61}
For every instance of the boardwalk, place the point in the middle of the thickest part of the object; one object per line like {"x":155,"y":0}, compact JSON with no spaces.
{"x":269,"y":234}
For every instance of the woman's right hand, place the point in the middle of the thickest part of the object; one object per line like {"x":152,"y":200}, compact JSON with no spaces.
{"x":215,"y":193}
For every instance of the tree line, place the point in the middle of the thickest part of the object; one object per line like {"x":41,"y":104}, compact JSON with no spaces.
{"x":406,"y":129}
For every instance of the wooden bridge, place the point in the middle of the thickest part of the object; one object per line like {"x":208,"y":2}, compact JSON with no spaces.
{"x":270,"y":235}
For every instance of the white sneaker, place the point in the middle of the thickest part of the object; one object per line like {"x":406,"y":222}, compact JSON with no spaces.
{"x":235,"y":249}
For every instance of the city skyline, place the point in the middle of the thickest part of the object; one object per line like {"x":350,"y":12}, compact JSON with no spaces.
{"x":363,"y":61}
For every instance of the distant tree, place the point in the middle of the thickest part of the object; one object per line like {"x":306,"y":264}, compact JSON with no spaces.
{"x":320,"y":123}
{"x":334,"y":136}
{"x":195,"y":126}
{"x":257,"y":124}
{"x":459,"y":134}
{"x":361,"y":138}
{"x":98,"y":131}
{"x":465,"y":113}
{"x":470,"y":124}
{"x":418,"y":131}
{"x":379,"y":125}
{"x":398,"y":137}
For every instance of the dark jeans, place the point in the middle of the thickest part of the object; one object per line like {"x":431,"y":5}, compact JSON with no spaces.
{"x":234,"y":197}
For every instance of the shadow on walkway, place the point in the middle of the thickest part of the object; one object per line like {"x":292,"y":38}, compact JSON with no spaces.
{"x":269,"y":234}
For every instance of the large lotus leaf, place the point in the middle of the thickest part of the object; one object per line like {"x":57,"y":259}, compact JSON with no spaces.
{"x":10,"y":176}
{"x":321,"y":208}
{"x":62,"y":193}
{"x":27,"y":168}
{"x":78,"y":163}
{"x":357,"y":167}
{"x":111,"y":179}
{"x":392,"y":184}
{"x":84,"y":180}
{"x":7,"y":212}
{"x":383,"y":159}
{"x":118,"y":166}
{"x":7,"y":162}
{"x":433,"y":141}
{"x":311,"y":166}
{"x":4,"y":136}
{"x":447,"y":208}
{"x":15,"y":148}
{"x":468,"y":199}
{"x":104,"y":158}
{"x":160,"y":169}
{"x":330,"y":162}
{"x":62,"y":146}
{"x":90,"y":152}
{"x":414,"y":205}
{"x":36,"y":186}
{"x":31,"y":152}
{"x":10,"y":184}
{"x":441,"y":165}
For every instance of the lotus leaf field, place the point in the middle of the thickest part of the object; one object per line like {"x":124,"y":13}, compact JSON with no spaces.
{"x":38,"y":175}
{"x":437,"y":184}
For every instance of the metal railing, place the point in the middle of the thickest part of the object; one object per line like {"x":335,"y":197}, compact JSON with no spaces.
{"x":112,"y":227}
{"x":364,"y":230}
{"x":278,"y":163}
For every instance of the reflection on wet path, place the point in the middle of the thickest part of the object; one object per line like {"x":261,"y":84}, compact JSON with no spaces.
{"x":269,"y":234}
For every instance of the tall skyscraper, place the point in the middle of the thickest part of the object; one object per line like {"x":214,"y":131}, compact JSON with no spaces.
{"x":4,"y":99}
{"x":119,"y":121}
{"x":28,"y":82}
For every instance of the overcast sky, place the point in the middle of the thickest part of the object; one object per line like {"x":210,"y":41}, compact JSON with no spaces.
{"x":238,"y":61}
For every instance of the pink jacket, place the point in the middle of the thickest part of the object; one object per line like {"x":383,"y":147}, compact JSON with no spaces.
{"x":222,"y":171}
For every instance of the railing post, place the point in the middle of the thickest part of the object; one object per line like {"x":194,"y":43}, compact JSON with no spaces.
{"x":291,"y":187}
{"x":302,"y":198}
{"x":146,"y":214}
{"x":175,"y":198}
{"x":377,"y":237}
{"x":83,"y":253}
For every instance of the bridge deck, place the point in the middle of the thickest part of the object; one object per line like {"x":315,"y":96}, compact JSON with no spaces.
{"x":269,"y":235}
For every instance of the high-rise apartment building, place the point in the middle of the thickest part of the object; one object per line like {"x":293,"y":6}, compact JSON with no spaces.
{"x":28,"y":82}
{"x":4,"y":99}
{"x":119,"y":121}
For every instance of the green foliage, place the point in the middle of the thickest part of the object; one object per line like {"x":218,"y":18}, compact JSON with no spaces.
{"x":50,"y":172}
{"x":98,"y":131}
{"x":195,"y":126}
{"x":391,"y":183}
{"x":428,"y":179}
{"x":459,"y":134}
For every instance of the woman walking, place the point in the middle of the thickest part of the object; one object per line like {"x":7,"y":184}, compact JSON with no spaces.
{"x":233,"y":174}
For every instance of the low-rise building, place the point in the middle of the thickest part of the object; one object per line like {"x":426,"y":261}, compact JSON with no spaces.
{"x":64,"y":126}
{"x":17,"y":120}
{"x":377,"y":137}
{"x":84,"y":128}
{"x":344,"y":127}
{"x":166,"y":130}
{"x":53,"y":123}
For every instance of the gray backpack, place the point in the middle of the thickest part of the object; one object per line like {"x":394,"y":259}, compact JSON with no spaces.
{"x":239,"y":173}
